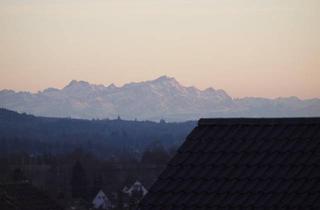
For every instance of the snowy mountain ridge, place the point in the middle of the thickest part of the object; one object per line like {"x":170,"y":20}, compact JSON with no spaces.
{"x":162,"y":98}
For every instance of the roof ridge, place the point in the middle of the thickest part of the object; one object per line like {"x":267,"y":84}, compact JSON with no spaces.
{"x":259,"y":121}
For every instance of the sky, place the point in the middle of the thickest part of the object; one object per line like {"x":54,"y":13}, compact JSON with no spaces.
{"x":263,"y":48}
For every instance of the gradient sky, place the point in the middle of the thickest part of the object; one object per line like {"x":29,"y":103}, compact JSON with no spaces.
{"x":265,"y":48}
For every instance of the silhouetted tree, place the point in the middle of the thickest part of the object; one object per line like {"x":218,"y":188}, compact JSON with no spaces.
{"x":4,"y":168}
{"x":18,"y":175}
{"x":97,"y":183}
{"x":78,"y":181}
{"x":120,"y":203}
{"x":155,"y":154}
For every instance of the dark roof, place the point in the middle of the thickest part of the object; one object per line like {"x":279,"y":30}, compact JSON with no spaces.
{"x":23,"y":196}
{"x":243,"y":164}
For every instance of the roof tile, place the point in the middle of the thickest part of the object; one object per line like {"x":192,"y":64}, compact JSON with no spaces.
{"x":243,"y":164}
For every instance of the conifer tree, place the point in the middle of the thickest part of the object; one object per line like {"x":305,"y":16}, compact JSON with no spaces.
{"x":78,"y":181}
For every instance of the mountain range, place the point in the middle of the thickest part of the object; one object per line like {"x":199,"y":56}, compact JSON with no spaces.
{"x":162,"y":98}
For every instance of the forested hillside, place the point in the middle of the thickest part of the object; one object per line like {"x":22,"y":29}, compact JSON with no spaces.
{"x":103,"y":138}
{"x":73,"y":159}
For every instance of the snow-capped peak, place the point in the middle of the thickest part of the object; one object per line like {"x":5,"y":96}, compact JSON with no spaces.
{"x":164,"y":78}
{"x":166,"y":82}
{"x":77,"y":84}
{"x":112,"y":86}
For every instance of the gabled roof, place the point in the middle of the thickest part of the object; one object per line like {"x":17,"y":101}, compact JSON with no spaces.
{"x":101,"y":201}
{"x":137,"y":187}
{"x":243,"y":164}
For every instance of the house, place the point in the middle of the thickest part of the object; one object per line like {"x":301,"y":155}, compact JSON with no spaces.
{"x":136,"y":188}
{"x":256,"y":164}
{"x":133,"y":195}
{"x":125,"y":189}
{"x":101,"y":201}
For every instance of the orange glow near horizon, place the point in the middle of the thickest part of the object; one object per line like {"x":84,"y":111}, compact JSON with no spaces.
{"x":266,"y":48}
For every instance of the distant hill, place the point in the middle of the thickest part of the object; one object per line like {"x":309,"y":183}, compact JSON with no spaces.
{"x":104,"y":138}
{"x":163,"y":98}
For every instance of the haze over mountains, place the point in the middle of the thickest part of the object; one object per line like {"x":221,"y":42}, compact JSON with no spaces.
{"x":162,"y":98}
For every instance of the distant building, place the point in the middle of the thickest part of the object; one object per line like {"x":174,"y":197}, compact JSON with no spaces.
{"x":101,"y":201}
{"x":125,"y":189}
{"x":133,"y":195}
{"x":239,"y":164}
{"x":136,"y":188}
{"x":162,"y":121}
